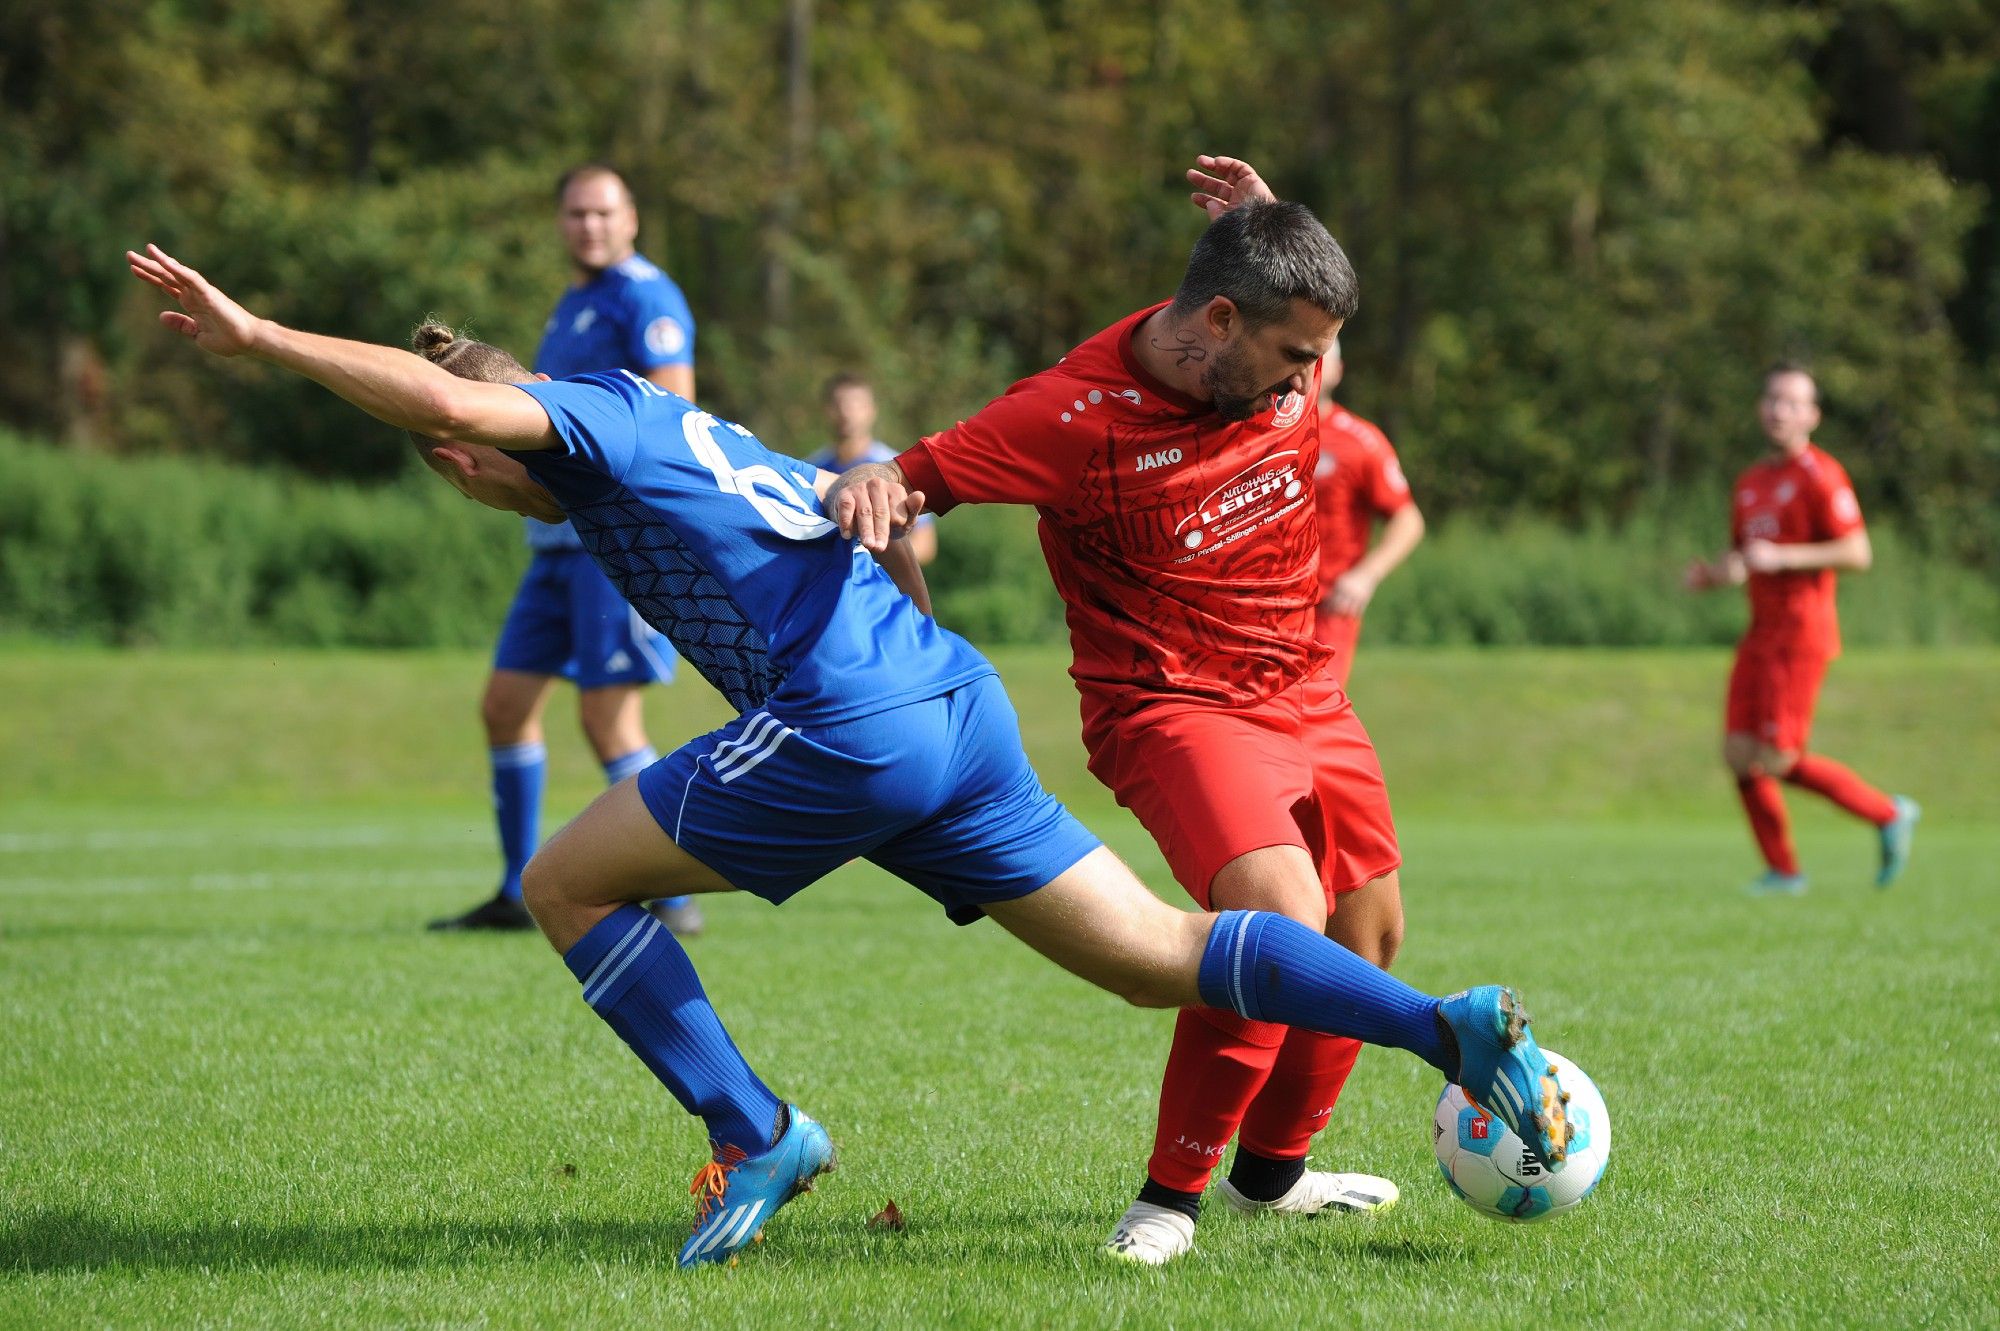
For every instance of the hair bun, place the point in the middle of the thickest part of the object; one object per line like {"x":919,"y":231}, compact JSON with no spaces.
{"x":430,"y":340}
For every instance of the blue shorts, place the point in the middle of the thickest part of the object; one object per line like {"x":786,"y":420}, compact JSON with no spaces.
{"x":937,"y":792}
{"x":567,"y":619}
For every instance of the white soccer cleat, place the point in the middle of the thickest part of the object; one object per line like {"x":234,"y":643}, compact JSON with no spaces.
{"x":1318,"y":1191}
{"x":1151,"y":1235}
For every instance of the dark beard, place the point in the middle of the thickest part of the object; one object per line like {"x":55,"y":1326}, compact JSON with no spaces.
{"x":1223,"y":379}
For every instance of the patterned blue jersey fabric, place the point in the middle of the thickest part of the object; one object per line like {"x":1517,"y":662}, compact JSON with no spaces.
{"x":631,"y":316}
{"x":721,"y":544}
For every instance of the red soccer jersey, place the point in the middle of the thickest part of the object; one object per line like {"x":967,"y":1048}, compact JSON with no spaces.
{"x":1359,"y":479}
{"x":1792,"y":501}
{"x":1184,"y":545}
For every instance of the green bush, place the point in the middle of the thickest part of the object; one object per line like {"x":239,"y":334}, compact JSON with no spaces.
{"x":1530,"y":581}
{"x":186,"y":553}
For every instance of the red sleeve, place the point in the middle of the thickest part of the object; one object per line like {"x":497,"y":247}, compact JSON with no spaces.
{"x":1026,"y":447}
{"x":1388,"y":490}
{"x":1835,"y":510}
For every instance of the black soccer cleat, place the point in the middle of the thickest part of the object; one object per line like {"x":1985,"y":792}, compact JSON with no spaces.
{"x":497,"y":914}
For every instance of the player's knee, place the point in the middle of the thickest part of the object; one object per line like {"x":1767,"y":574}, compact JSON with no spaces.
{"x":1777,"y":762}
{"x":503,"y":717}
{"x":541,"y":885}
{"x":1389,"y":944}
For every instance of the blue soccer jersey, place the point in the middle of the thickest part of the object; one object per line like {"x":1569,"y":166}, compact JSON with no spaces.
{"x":721,"y":544}
{"x":631,"y":316}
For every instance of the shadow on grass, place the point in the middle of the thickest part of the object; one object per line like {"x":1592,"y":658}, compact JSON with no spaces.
{"x":64,"y":1241}
{"x":73,"y":1240}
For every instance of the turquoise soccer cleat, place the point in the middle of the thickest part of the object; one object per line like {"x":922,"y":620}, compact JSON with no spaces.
{"x":1897,"y":834}
{"x":1504,"y":1072}
{"x":738,"y":1196}
{"x":1771,"y":883}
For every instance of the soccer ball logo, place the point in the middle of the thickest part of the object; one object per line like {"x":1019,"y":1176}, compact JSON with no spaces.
{"x":1490,"y":1168}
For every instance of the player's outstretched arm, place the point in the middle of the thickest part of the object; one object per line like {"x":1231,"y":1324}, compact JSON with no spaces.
{"x":1222,"y":183}
{"x":393,"y":386}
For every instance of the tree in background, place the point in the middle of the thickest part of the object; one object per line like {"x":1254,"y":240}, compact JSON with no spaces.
{"x":1582,"y":226}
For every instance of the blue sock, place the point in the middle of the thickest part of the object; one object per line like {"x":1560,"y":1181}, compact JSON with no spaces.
{"x":1269,"y":967}
{"x":631,"y":765}
{"x":519,"y":771}
{"x":639,"y":980}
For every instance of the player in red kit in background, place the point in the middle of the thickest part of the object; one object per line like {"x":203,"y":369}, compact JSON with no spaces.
{"x":1170,"y":458}
{"x":1795,"y":523}
{"x":1358,"y":482}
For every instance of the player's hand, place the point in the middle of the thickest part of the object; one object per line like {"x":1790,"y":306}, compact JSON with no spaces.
{"x":1698,"y":576}
{"x":1351,"y":593}
{"x":1222,"y":183}
{"x":1762,"y":556}
{"x":215,"y":322}
{"x":869,"y":505}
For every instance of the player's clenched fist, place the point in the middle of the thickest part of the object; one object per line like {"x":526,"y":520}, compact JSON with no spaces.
{"x":871,"y":504}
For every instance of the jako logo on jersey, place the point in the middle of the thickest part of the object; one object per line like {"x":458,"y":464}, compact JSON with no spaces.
{"x":1164,"y":458}
{"x":1290,"y":407}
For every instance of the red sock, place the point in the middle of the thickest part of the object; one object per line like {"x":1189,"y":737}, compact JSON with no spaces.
{"x":1765,"y":804}
{"x":1839,"y":783}
{"x":1217,"y":1065}
{"x":1299,"y":1097}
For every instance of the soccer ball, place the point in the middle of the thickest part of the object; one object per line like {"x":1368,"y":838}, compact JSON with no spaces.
{"x":1490,"y":1168}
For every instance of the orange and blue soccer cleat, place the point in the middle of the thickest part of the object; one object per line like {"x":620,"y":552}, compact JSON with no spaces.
{"x":738,"y":1193}
{"x":1503,"y":1071}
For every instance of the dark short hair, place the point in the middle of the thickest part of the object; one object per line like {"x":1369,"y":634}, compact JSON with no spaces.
{"x":1263,"y":256}
{"x":586,"y":170}
{"x":1778,"y":367}
{"x":845,"y":379}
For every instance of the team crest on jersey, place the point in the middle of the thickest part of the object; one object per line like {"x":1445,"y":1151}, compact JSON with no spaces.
{"x":584,"y":319}
{"x":1290,"y":407}
{"x":1786,"y":490}
{"x":666,"y":337}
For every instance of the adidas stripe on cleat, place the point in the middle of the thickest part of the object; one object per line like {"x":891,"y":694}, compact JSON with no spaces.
{"x":739,"y":1193}
{"x":1504,"y":1072}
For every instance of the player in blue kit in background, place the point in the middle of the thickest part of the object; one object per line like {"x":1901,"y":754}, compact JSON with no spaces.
{"x":865,"y":730}
{"x":567,"y":619}
{"x":850,"y":413}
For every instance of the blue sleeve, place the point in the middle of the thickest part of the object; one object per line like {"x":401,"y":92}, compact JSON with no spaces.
{"x":659,"y":328}
{"x":595,"y":416}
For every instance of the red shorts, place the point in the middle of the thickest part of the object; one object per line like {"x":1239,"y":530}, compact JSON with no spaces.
{"x":1343,"y":634}
{"x":1212,"y":783}
{"x":1772,"y":696}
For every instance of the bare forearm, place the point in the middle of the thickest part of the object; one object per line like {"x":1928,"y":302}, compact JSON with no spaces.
{"x":899,"y":561}
{"x":407,"y":391}
{"x":1851,"y":554}
{"x":1400,"y":535}
{"x":396,"y":387}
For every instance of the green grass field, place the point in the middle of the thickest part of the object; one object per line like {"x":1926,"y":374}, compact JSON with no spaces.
{"x":239,"y":1087}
